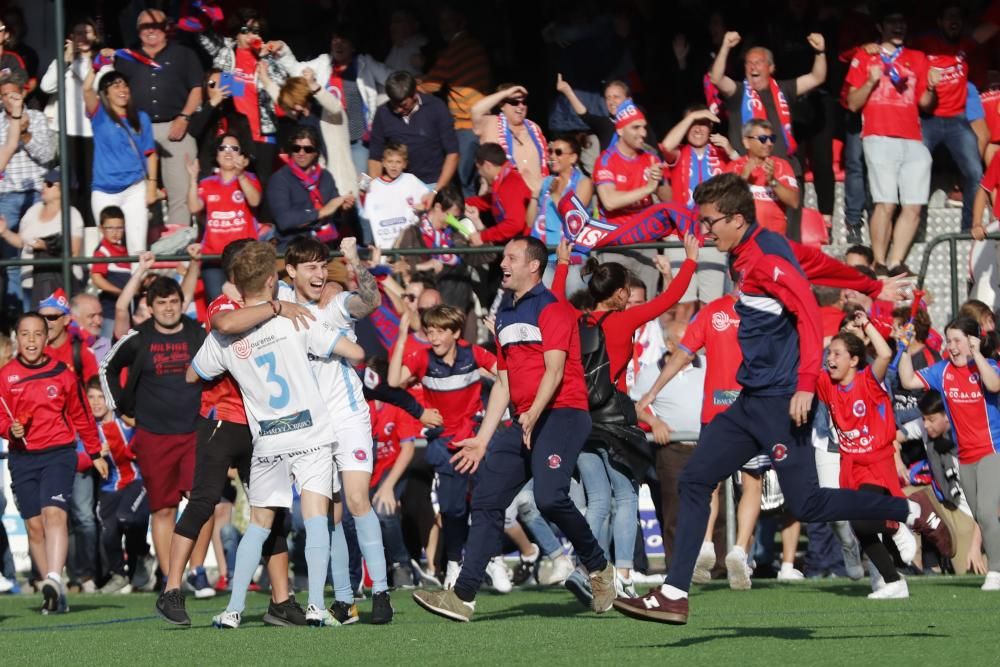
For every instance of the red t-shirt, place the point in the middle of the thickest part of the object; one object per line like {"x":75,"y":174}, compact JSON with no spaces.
{"x":456,"y":390}
{"x":770,"y":210}
{"x":716,"y":327}
{"x":891,"y":111}
{"x":991,"y":181}
{"x":991,"y":106}
{"x":107,"y":249}
{"x":64,"y":353}
{"x":862,"y":415}
{"x":391,"y":426}
{"x":954,"y":61}
{"x":221,"y":398}
{"x":227,"y":215}
{"x":509,"y":205}
{"x":625,"y":173}
{"x":687,"y":171}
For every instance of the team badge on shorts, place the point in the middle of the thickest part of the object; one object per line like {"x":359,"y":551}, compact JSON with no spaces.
{"x":555,"y":461}
{"x":779,"y":452}
{"x":360,"y":455}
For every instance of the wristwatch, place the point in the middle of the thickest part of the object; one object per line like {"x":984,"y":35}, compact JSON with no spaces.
{"x":185,"y":116}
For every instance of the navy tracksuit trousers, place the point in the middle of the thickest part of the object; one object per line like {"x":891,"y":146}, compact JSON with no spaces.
{"x":555,"y":446}
{"x":761,"y":425}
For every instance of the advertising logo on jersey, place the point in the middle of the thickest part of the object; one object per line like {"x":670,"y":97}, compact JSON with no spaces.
{"x":242,"y":348}
{"x":859,"y":409}
{"x":722,"y":321}
{"x":779,"y":452}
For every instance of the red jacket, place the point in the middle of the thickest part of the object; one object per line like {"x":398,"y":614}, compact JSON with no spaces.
{"x":48,"y":401}
{"x":508,"y":201}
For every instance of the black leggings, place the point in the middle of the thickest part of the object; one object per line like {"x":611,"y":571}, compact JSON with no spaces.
{"x":868,"y":531}
{"x":222,"y":445}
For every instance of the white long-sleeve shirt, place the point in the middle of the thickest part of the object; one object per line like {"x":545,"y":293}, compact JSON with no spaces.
{"x":77,"y":123}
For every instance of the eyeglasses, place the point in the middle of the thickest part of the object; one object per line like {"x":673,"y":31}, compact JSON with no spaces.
{"x":558,"y":152}
{"x":765,"y":138}
{"x":158,"y":25}
{"x":229,"y":147}
{"x":308,"y":150}
{"x":517,"y":102}
{"x":711,"y":222}
{"x":410,"y":297}
{"x":53,"y":318}
{"x":249,"y":30}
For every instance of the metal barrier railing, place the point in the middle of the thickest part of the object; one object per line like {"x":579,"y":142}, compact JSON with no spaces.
{"x":952,"y":240}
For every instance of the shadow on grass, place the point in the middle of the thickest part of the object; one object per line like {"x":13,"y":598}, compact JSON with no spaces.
{"x":787,"y":634}
{"x":566,"y":608}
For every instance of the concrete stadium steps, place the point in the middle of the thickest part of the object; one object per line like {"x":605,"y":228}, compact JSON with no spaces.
{"x":939,"y":220}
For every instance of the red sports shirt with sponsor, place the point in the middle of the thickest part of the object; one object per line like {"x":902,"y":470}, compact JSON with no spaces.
{"x":990,"y":183}
{"x":391,"y":426}
{"x":991,"y":107}
{"x":974,"y":412}
{"x":770,"y":211}
{"x":625,"y":173}
{"x":716,"y":328}
{"x":227,"y":215}
{"x":955,"y":62}
{"x":221,"y":398}
{"x":862,"y":415}
{"x":891,"y":110}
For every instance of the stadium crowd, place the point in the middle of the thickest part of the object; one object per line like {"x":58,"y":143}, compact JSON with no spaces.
{"x":400,"y":421}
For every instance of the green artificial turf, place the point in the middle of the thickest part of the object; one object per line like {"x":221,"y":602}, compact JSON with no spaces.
{"x":947,"y":621}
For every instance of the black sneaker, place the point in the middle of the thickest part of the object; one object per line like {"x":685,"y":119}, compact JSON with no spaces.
{"x":50,"y":596}
{"x":854,"y":235}
{"x":344,"y":613}
{"x":381,"y":608}
{"x":285,"y":614}
{"x":170,"y":607}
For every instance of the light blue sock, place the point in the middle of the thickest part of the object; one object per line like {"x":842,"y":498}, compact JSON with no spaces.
{"x":370,"y":542}
{"x":316,"y":557}
{"x":340,"y":566}
{"x":247,"y":559}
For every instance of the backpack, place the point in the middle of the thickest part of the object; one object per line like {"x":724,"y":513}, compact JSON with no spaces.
{"x":607,"y":404}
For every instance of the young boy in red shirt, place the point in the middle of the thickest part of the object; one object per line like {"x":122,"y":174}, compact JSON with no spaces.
{"x":42,"y":415}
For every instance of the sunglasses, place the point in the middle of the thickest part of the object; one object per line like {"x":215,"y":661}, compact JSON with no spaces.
{"x":765,"y":138}
{"x":517,"y":102}
{"x":228,"y":147}
{"x":53,"y":318}
{"x":248,"y":30}
{"x":308,"y":150}
{"x":558,"y":152}
{"x":152,"y":26}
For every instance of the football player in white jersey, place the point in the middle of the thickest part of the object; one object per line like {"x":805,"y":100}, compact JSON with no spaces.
{"x":306,"y":262}
{"x":292,"y":428}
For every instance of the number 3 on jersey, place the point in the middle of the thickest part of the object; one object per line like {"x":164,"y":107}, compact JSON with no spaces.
{"x":280,"y":399}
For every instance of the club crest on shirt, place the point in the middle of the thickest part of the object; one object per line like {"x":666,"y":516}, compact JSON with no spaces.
{"x":974,"y":378}
{"x":238,"y":196}
{"x":859,"y":408}
{"x":779,"y":452}
{"x":360,"y":455}
{"x":51,"y":391}
{"x":555,"y":461}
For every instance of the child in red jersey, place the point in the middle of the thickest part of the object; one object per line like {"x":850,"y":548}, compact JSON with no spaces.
{"x":865,"y":426}
{"x":42,"y":413}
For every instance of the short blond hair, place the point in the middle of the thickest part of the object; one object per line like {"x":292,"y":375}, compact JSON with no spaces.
{"x":253,"y":265}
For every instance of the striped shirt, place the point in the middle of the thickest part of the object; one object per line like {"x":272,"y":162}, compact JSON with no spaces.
{"x":464,"y":68}
{"x":28,"y":165}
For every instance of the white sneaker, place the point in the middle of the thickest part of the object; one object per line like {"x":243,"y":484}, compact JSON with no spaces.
{"x":703,"y":566}
{"x":906,"y":543}
{"x":6,"y":585}
{"x":555,"y":571}
{"x":319,"y":617}
{"x":897,"y":590}
{"x":878,"y":583}
{"x":499,"y":575}
{"x":624,"y":588}
{"x":992,"y":582}
{"x":88,"y":586}
{"x":653,"y":580}
{"x":227,"y":620}
{"x":789,"y":573}
{"x":737,"y":569}
{"x":451,"y":574}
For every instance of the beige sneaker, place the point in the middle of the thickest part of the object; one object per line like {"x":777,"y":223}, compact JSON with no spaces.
{"x":445,"y":603}
{"x":602,"y":584}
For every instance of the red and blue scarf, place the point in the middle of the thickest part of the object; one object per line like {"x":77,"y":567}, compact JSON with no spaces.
{"x":506,"y":140}
{"x":753,"y":107}
{"x":438,"y":238}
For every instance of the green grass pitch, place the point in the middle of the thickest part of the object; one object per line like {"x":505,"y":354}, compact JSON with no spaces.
{"x":947,"y":621}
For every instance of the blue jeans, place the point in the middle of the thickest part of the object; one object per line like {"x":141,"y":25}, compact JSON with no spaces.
{"x":541,"y":532}
{"x":856,"y":197}
{"x":82,"y":558}
{"x":957,"y":135}
{"x":605,"y":486}
{"x":214,"y":278}
{"x":467,"y":176}
{"x":12,"y":207}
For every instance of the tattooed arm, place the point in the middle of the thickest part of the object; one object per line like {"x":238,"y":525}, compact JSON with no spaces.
{"x":367,"y":298}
